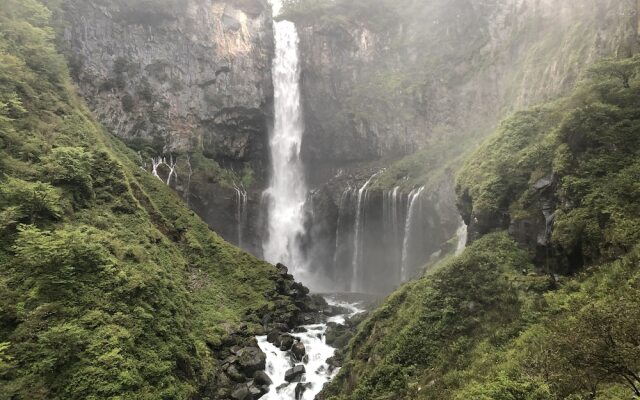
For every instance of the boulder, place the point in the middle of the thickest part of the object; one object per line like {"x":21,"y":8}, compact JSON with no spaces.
{"x":298,"y":350}
{"x":295,"y":374}
{"x":282,"y":269}
{"x":286,"y":341}
{"x":273,"y":337}
{"x":256,"y":392}
{"x":332,"y":311}
{"x":234,"y":374}
{"x":241,"y":392}
{"x":250,"y":360}
{"x":300,"y":389}
{"x":261,"y":378}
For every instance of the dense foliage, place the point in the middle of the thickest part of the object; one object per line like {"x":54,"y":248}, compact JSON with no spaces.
{"x":109,"y":286}
{"x":492,"y":325}
{"x":587,"y":146}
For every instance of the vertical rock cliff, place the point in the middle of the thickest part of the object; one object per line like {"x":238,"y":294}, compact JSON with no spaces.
{"x":189,"y":81}
{"x":383,"y":81}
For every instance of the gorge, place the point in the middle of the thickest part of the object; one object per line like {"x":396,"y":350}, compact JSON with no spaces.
{"x":319,"y":199}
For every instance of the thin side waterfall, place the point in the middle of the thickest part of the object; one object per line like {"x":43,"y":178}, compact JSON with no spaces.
{"x":287,"y":191}
{"x":391,"y":214}
{"x":462,"y":238}
{"x":413,"y":196}
{"x":344,"y":201}
{"x":171,"y":166}
{"x":241,"y":212}
{"x":357,"y":236}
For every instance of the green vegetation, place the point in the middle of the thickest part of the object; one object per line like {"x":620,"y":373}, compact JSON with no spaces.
{"x":109,"y":286}
{"x":490,"y":324}
{"x":588,"y":146}
{"x":427,"y":167}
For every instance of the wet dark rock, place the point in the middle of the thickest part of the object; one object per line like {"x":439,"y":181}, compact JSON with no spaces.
{"x":250,"y":360}
{"x":332,"y":311}
{"x":281,"y":387}
{"x":282,"y":269}
{"x":300,"y":389}
{"x":261,"y":378}
{"x":235,"y":375}
{"x":286,"y":342}
{"x":298,"y":350}
{"x":256,"y":392}
{"x":273,"y":337}
{"x":295,"y":374}
{"x":335,"y":362}
{"x":241,"y":392}
{"x":300,"y":329}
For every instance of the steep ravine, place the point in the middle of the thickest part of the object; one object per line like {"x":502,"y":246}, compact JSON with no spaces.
{"x":379,"y":88}
{"x":384,"y":91}
{"x":543,"y":304}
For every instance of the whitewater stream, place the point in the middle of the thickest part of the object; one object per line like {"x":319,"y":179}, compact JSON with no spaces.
{"x":318,"y":372}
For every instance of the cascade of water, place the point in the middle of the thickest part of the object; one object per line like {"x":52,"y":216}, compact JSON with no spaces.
{"x":342,"y":208}
{"x":156,"y":162}
{"x":287,"y":191}
{"x":462,"y":238}
{"x":241,"y":212}
{"x":413,"y":196}
{"x":357,"y":236}
{"x":394,"y":219}
{"x":318,"y":372}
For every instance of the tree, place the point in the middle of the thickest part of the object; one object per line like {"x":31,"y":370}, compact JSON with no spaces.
{"x":31,"y":201}
{"x":624,"y":70}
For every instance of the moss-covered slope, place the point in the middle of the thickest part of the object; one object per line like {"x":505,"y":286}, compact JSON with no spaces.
{"x":109,"y":286}
{"x":499,"y":322}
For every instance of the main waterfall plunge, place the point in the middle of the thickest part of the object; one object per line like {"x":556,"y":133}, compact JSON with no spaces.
{"x":376,"y":240}
{"x":287,"y":191}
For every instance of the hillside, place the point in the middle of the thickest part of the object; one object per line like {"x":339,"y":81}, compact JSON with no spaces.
{"x":544,"y":303}
{"x":110,"y":287}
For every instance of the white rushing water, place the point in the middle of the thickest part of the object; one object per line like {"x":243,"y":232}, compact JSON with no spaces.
{"x":287,"y":191}
{"x":391,"y":215}
{"x":462,"y":238}
{"x":318,"y":372}
{"x":413,"y":196}
{"x":241,"y":212}
{"x":357,"y":236}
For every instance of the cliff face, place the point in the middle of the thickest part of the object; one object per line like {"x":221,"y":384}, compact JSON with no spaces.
{"x":187,"y":76}
{"x":188,"y":80}
{"x":381,"y":82}
{"x":377,"y":90}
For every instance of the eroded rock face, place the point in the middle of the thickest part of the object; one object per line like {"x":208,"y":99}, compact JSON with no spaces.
{"x":182,"y":75}
{"x":443,"y":70}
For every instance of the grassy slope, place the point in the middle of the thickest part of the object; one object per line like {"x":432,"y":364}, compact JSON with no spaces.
{"x":110,"y":287}
{"x":491,"y":325}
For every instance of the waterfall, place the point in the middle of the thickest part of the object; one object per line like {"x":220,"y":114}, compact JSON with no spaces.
{"x":391,"y":215}
{"x":462,"y":238}
{"x":287,"y":191}
{"x":342,"y":207}
{"x":358,"y":243}
{"x":241,"y":212}
{"x":318,"y":372}
{"x":171,"y":165}
{"x":413,"y":196}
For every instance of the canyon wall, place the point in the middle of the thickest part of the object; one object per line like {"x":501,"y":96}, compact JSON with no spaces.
{"x":188,"y":81}
{"x":399,"y":89}
{"x":383,"y":82}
